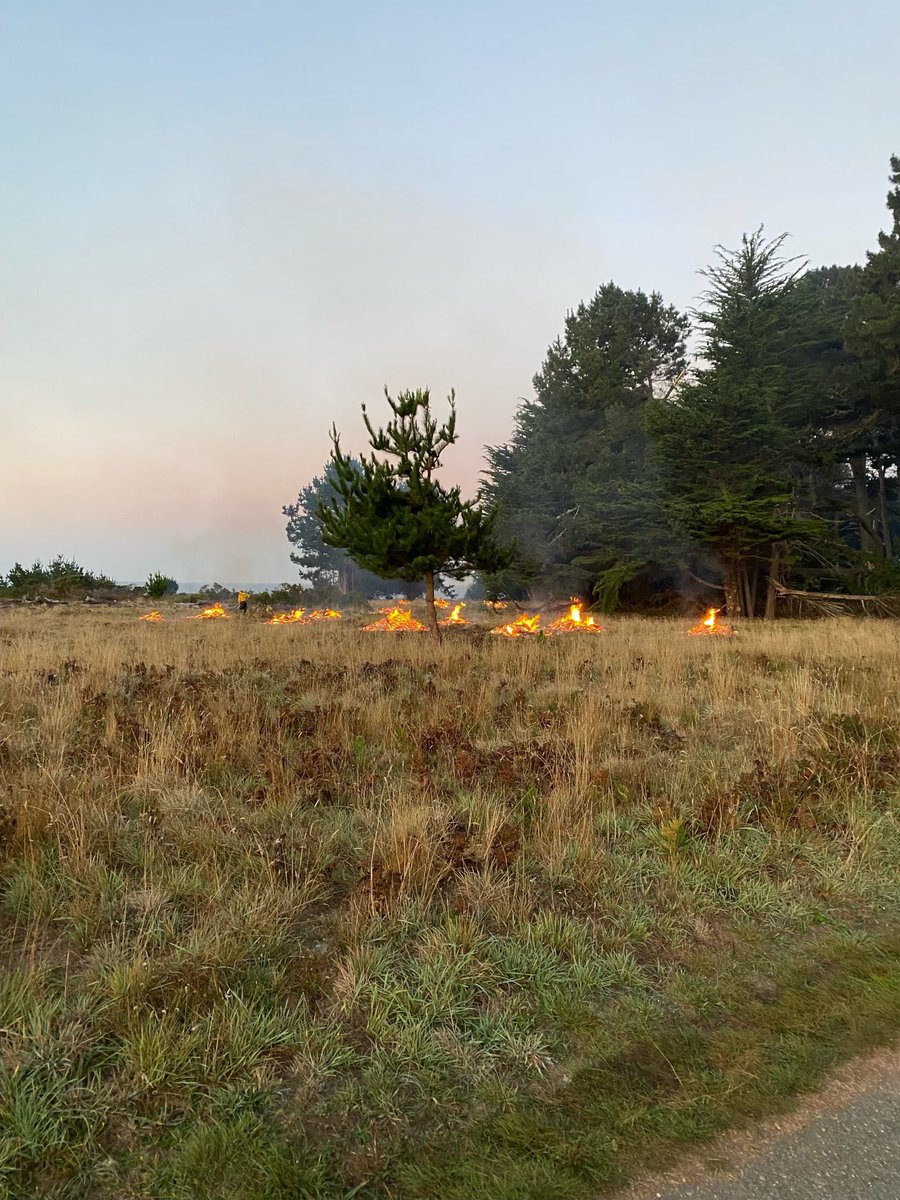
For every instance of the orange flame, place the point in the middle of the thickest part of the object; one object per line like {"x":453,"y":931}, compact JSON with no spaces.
{"x":288,"y":618}
{"x":521,"y":627}
{"x":496,"y":605}
{"x":455,"y":618}
{"x":395,"y":620}
{"x":442,"y":604}
{"x":575,"y":622}
{"x":152,"y":616}
{"x":709,"y":625}
{"x":324,"y":614}
{"x":216,"y":610}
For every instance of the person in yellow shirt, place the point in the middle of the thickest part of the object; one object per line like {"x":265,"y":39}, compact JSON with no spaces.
{"x":243,"y":597}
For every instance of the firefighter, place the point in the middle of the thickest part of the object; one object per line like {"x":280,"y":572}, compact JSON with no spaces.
{"x":243,"y":597}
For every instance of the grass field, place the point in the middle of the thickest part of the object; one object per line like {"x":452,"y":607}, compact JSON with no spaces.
{"x":297,"y":912}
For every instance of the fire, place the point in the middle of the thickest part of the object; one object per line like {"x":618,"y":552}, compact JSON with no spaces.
{"x":496,"y":605}
{"x":575,"y":622}
{"x":455,"y":618}
{"x":395,"y":620}
{"x":152,"y":616}
{"x":709,"y":625}
{"x":324,"y":614}
{"x":442,"y":604}
{"x":521,"y":627}
{"x":210,"y":613}
{"x":289,"y":618}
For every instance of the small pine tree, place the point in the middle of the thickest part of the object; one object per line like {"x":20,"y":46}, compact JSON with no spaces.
{"x":392,"y":516}
{"x":159,"y":585}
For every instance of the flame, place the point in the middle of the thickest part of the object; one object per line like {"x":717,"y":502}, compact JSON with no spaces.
{"x":442,"y":604}
{"x":521,"y":627}
{"x":496,"y":605}
{"x":216,"y":610}
{"x":152,"y":616}
{"x":289,"y":618}
{"x":575,"y":622}
{"x":709,"y":625}
{"x":395,"y":620}
{"x":324,"y":614}
{"x":455,"y":618}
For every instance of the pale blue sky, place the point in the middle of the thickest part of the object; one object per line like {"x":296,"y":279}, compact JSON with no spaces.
{"x":224,"y":225}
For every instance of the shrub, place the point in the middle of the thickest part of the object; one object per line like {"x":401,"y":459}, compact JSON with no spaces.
{"x":159,"y":585}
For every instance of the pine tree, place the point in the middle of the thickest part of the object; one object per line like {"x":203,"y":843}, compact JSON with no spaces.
{"x":391,"y":514}
{"x":727,"y":446}
{"x":573,"y":484}
{"x":873,"y":334}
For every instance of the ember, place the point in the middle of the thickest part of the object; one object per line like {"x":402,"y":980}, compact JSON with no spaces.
{"x":575,"y":622}
{"x":709,"y":625}
{"x":455,"y":618}
{"x":152,"y":616}
{"x":521,"y":627}
{"x":395,"y":620}
{"x":209,"y":614}
{"x":289,"y":618}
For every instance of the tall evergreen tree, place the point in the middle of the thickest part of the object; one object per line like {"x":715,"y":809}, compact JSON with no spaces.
{"x":873,"y":334}
{"x":726,"y":447}
{"x":391,"y":514}
{"x":573,"y":484}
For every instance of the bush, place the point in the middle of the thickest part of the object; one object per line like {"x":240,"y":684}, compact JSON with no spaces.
{"x":61,"y":577}
{"x":159,"y":585}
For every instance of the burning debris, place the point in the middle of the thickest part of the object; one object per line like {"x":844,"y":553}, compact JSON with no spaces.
{"x":523,"y":626}
{"x":442,"y":604}
{"x":709,"y":625}
{"x":211,"y":614}
{"x":289,"y":618}
{"x":324,"y":614}
{"x":455,"y":618}
{"x":152,"y":616}
{"x":575,"y":622}
{"x":395,"y":620}
{"x":496,"y":605}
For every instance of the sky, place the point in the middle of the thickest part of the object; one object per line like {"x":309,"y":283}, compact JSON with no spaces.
{"x":224,"y":226}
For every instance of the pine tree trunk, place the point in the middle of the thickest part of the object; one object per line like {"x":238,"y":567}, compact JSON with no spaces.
{"x":884,"y":515}
{"x":732,"y":590}
{"x":774,"y":578}
{"x":433,"y":626}
{"x":860,"y":481}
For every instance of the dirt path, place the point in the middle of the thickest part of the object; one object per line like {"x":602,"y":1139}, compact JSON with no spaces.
{"x":842,"y":1143}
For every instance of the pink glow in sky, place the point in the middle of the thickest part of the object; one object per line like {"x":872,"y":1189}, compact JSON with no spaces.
{"x":224,"y":227}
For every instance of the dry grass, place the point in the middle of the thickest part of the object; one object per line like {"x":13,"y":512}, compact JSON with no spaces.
{"x":284,"y":907}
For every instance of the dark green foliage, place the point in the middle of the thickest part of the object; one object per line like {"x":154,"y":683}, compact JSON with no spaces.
{"x":159,"y":585}
{"x":727,"y":445}
{"x":393,"y":517}
{"x":328,"y":569}
{"x":572,"y":485}
{"x":61,"y":576}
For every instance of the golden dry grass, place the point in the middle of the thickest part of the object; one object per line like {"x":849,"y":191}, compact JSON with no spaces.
{"x":283,"y":906}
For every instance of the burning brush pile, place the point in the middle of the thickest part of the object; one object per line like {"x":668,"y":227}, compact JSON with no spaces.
{"x":213,"y":613}
{"x":299,"y":616}
{"x":395,"y":620}
{"x":709,"y":626}
{"x":574,"y":621}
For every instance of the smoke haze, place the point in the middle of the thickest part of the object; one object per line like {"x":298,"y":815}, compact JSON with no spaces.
{"x":223,"y":229}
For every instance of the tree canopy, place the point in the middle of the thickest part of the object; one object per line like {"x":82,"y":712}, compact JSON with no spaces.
{"x":391,"y":514}
{"x":772,"y":459}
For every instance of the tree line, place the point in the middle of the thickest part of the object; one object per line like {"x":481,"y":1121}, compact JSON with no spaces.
{"x":747,"y":446}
